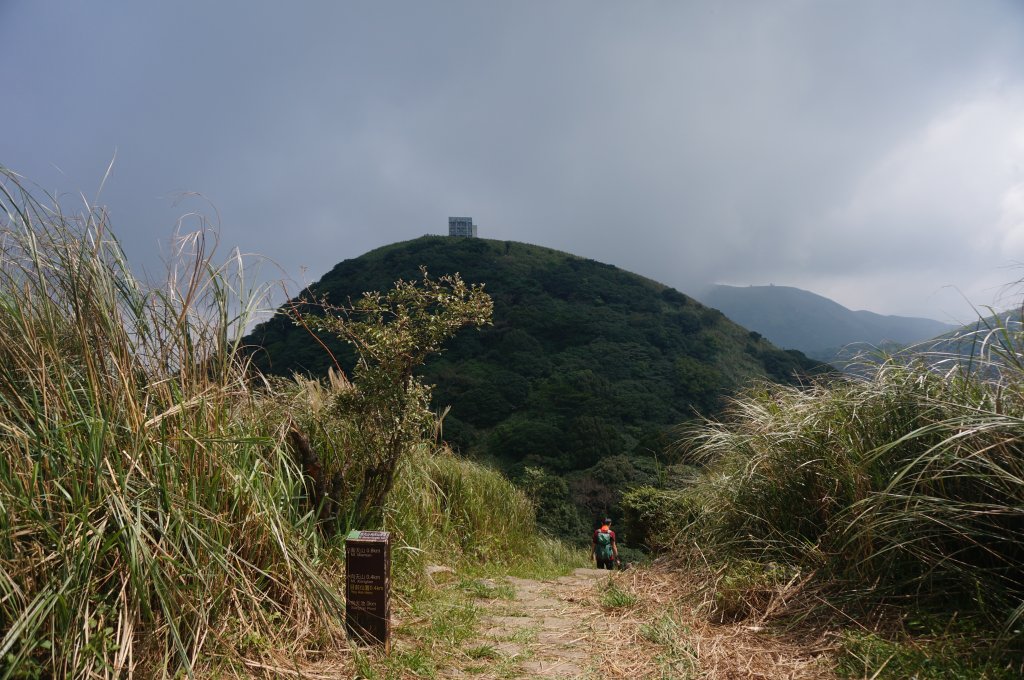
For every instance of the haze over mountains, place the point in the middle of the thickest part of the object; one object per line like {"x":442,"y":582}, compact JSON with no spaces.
{"x":792,"y":318}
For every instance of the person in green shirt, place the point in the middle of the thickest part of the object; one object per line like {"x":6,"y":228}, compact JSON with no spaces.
{"x":603,"y":548}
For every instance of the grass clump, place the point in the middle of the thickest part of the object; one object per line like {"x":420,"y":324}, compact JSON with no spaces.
{"x":904,"y":488}
{"x":489,"y":591}
{"x":865,"y":654}
{"x":484,"y":651}
{"x":145,"y":520}
{"x":678,"y":658}
{"x":614,"y":597}
{"x":746,"y":588}
{"x":907,"y":484}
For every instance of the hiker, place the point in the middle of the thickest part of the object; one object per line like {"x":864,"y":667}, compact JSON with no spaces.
{"x":604,"y":549}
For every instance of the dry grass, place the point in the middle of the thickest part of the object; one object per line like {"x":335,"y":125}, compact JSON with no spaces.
{"x":673,"y":632}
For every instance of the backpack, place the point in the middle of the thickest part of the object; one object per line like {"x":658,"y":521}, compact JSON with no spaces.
{"x":603,"y":547}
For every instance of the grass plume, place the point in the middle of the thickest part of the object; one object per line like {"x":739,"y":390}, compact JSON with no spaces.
{"x":144,"y":517}
{"x":905,"y":486}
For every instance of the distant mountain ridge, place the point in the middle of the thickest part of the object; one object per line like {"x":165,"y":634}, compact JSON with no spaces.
{"x":793,"y":318}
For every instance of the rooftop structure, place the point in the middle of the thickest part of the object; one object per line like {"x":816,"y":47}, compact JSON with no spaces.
{"x":461,"y":226}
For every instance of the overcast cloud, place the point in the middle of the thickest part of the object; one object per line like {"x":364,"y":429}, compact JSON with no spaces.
{"x":872,"y":152}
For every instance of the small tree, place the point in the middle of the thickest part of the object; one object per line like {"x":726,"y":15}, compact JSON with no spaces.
{"x":393,"y":334}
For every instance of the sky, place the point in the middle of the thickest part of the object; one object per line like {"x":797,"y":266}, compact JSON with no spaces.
{"x":871,"y":152}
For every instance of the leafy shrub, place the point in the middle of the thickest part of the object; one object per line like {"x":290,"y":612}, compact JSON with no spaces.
{"x":908,"y":484}
{"x":393,"y":333}
{"x":655,"y":518}
{"x":557,"y":515}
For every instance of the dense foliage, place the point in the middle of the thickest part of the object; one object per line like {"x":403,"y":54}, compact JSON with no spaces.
{"x":582,"y":374}
{"x":904,"y":488}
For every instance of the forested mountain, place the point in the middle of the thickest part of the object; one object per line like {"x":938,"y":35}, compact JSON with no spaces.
{"x":819,"y":327}
{"x":586,"y":367}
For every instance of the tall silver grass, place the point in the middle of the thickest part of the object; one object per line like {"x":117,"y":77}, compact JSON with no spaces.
{"x":146,"y":513}
{"x":906,"y":484}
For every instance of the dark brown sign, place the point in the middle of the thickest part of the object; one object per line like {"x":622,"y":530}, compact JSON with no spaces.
{"x":368,"y":587}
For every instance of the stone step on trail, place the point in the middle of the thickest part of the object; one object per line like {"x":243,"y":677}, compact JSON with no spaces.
{"x":551,"y":633}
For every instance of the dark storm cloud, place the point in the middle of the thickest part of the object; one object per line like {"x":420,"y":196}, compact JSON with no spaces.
{"x":869,"y":151}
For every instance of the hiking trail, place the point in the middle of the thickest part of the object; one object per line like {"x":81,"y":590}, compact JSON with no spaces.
{"x":631,"y":624}
{"x":546,"y":629}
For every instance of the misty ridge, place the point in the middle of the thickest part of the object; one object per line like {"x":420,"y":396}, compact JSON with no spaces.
{"x":821,"y":328}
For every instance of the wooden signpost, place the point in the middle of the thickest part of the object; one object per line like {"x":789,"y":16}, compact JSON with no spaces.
{"x":368,"y":587}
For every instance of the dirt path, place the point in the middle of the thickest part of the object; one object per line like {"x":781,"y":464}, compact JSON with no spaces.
{"x":636,"y":625}
{"x":548,"y":630}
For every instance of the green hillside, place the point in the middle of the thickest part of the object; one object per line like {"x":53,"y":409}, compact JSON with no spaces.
{"x":586,"y":367}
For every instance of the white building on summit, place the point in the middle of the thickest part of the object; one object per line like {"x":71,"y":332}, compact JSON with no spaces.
{"x":461,"y":226}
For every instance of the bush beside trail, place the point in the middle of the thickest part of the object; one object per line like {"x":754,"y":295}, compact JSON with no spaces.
{"x":904,"y":489}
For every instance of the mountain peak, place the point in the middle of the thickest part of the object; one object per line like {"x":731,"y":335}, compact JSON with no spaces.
{"x":584,"y":360}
